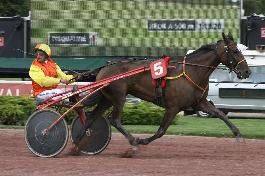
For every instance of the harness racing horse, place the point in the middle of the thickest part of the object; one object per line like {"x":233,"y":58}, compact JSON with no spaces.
{"x":188,"y":89}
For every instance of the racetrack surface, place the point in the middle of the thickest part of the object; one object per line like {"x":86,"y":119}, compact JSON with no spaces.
{"x":169,"y":155}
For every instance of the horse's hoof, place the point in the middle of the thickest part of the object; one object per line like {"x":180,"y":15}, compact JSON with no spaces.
{"x":134,"y":141}
{"x":240,"y":139}
{"x":143,"y":141}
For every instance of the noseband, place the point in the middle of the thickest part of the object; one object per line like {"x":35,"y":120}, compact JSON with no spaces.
{"x":239,"y":63}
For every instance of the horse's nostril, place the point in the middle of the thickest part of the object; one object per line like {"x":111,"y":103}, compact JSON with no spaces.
{"x":248,"y":72}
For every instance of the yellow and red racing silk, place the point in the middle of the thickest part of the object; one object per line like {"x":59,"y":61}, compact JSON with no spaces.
{"x":46,"y":76}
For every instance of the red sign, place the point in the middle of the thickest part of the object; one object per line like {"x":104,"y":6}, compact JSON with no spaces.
{"x":24,"y":88}
{"x":262,"y":32}
{"x":2,"y":41}
{"x":15,"y":89}
{"x":158,"y":68}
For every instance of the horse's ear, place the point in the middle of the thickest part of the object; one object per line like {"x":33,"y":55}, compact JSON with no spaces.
{"x":230,"y":36}
{"x":224,"y":37}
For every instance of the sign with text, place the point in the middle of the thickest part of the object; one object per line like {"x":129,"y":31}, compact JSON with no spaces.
{"x":24,"y":88}
{"x":206,"y":25}
{"x":90,"y":38}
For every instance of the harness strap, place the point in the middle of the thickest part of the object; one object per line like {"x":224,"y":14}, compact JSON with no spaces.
{"x":174,"y":77}
{"x":187,"y":77}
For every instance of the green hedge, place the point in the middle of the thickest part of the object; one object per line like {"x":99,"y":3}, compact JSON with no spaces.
{"x":143,"y":114}
{"x":16,"y":110}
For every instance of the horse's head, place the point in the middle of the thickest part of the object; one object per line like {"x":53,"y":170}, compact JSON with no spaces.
{"x":230,"y":56}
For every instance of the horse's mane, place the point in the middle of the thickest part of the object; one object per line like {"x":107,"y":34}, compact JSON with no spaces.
{"x":205,"y":48}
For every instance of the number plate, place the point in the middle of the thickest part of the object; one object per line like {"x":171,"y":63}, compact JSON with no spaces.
{"x":158,"y":69}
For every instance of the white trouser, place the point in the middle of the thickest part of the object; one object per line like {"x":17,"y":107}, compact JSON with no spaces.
{"x":47,"y":93}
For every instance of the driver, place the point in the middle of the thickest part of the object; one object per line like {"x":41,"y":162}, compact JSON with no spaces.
{"x":46,"y":74}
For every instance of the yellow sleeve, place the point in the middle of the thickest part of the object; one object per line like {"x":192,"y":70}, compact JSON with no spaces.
{"x":62,"y":75}
{"x":37,"y":75}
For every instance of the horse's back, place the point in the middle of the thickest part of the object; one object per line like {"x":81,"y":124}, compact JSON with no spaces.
{"x":120,"y":67}
{"x":138,"y":85}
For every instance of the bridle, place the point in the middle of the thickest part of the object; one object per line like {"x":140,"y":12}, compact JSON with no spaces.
{"x":232,"y":62}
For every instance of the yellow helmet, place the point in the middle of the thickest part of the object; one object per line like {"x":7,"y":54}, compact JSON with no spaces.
{"x":43,"y":47}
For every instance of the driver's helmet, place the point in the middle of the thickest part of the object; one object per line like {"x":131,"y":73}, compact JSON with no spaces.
{"x":43,"y":47}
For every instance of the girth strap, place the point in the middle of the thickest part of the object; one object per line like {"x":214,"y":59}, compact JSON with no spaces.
{"x":160,"y":91}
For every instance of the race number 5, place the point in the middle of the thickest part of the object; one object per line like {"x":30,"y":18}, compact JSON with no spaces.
{"x":158,"y":69}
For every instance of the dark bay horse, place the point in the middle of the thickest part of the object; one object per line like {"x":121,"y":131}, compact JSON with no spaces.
{"x":189,"y":89}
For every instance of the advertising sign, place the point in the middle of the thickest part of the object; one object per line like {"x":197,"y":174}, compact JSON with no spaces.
{"x":206,"y":25}
{"x":89,"y":38}
{"x":24,"y":88}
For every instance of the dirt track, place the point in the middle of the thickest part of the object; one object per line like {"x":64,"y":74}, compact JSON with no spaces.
{"x":170,"y":155}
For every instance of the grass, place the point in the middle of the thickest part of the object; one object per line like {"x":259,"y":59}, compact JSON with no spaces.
{"x":194,"y":126}
{"x":250,"y":128}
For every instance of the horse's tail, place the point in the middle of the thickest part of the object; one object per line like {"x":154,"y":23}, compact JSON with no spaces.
{"x":93,"y":99}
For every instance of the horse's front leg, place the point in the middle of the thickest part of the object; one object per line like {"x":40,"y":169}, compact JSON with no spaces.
{"x":169,"y":116}
{"x":209,"y":108}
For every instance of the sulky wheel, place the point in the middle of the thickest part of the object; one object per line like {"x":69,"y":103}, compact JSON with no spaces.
{"x":97,"y":136}
{"x":50,"y":143}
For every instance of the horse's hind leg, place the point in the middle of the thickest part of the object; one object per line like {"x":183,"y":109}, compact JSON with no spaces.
{"x":165,"y":123}
{"x":209,"y":108}
{"x":116,"y":121}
